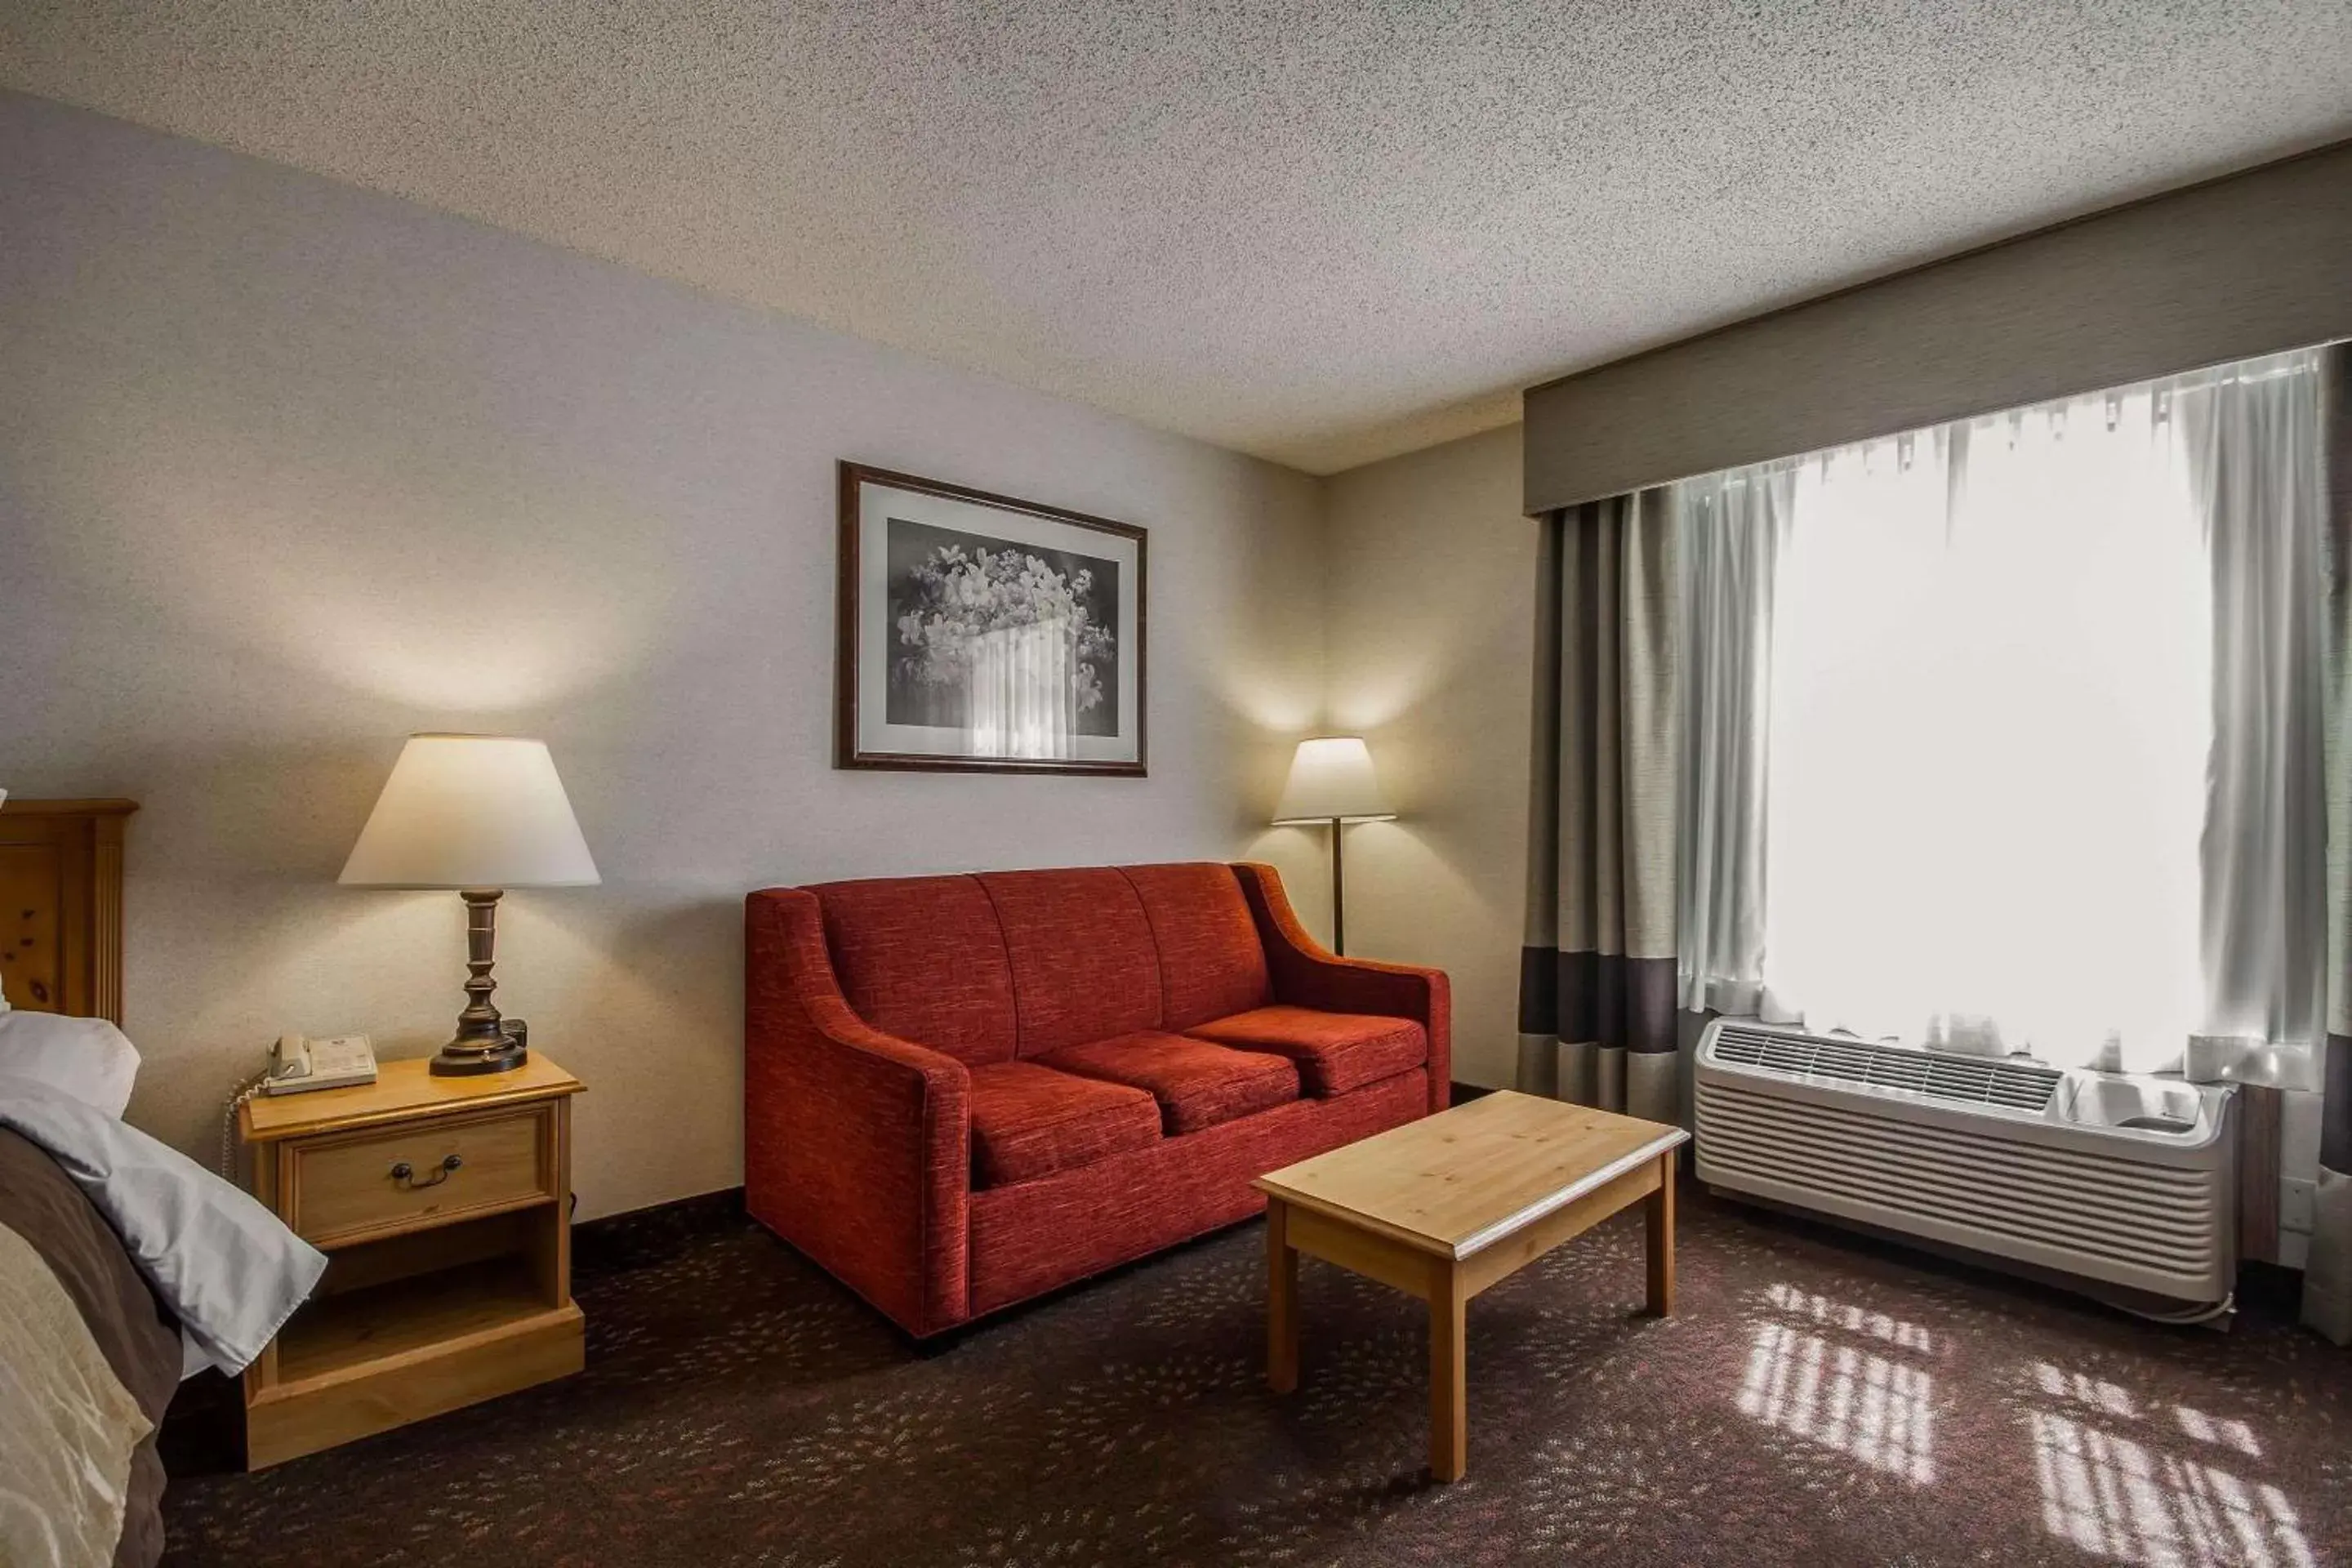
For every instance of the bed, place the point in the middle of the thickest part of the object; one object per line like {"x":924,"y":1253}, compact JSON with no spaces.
{"x":123,"y":1266}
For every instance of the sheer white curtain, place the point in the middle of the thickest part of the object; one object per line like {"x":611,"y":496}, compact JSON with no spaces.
{"x":2032,"y":734}
{"x":1735,"y":528}
{"x":2255,"y":446}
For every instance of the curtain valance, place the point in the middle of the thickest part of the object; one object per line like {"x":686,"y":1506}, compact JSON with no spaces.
{"x":2251,"y":264}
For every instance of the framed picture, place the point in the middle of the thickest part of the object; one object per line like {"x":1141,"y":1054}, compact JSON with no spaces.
{"x":987,"y":634}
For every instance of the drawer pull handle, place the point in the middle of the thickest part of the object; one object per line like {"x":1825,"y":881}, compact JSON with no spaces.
{"x":405,"y":1173}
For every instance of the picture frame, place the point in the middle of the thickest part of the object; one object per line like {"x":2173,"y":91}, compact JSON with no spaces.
{"x":980,"y":633}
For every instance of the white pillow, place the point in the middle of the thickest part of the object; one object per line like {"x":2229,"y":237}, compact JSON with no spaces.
{"x":88,"y":1058}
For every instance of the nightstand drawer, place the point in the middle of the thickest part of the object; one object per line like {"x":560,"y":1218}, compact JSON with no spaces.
{"x":371,"y":1184}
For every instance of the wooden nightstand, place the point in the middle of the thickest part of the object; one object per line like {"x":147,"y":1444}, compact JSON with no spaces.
{"x":444,"y":1206}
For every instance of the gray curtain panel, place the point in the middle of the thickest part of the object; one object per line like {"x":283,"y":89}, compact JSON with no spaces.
{"x":1597,"y":983}
{"x":2328,"y":1277}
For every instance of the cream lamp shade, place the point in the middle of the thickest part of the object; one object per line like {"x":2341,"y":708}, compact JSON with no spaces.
{"x":1331,"y":779}
{"x":471,"y":811}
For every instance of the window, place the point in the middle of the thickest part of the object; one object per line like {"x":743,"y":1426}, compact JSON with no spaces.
{"x":2004,"y":799}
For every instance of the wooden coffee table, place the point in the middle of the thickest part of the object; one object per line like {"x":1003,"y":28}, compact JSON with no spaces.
{"x":1447,"y":1205}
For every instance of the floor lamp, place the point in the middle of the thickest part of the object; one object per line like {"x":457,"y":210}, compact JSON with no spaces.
{"x":1331,"y":780}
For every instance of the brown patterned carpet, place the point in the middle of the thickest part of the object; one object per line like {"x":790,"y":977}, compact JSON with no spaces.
{"x":1820,"y":1400}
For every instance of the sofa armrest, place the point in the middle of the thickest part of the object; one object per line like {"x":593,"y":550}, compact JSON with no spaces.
{"x":856,"y":1144}
{"x":1307,"y":974}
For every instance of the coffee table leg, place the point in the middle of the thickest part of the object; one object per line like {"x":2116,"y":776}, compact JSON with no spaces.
{"x":1449,"y":1404}
{"x":1281,"y":1299}
{"x":1661,"y":1205}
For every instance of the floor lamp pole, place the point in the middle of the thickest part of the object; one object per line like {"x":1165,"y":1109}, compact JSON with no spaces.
{"x":1339,"y":892}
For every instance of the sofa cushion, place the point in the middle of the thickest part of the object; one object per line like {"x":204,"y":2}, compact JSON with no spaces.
{"x":1040,"y":1234}
{"x":1083,"y":967}
{"x":1335,"y":1052}
{"x":1197,"y":1084}
{"x":1029,"y":1121}
{"x":1211,"y":960}
{"x":922,"y":958}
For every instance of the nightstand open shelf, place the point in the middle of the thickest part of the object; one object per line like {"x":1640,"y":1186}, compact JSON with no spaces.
{"x":444,"y":1207}
{"x":377,"y":1326}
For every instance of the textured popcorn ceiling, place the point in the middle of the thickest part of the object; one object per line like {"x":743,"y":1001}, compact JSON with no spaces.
{"x":1322,"y":232}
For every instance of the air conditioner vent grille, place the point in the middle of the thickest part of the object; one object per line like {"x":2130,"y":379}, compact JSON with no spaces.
{"x":2154,"y":1228}
{"x":2007,"y":1159}
{"x":1932,"y":1075}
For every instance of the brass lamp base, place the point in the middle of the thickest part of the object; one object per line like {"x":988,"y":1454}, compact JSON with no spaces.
{"x":484,"y":1043}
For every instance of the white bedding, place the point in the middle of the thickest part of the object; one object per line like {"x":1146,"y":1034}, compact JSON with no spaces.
{"x":67,"y":1426}
{"x":88,"y":1058}
{"x":227,"y":1267}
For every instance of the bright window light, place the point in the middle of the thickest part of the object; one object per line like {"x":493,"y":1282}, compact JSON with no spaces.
{"x":1991,"y":704}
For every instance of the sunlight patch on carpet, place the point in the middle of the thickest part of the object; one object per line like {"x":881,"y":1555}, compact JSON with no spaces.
{"x":2108,"y":1488}
{"x":2206,"y":1429}
{"x":1820,"y":1309}
{"x":1871,"y":1400}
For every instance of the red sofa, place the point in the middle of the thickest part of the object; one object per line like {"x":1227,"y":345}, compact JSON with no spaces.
{"x":960,"y":1092}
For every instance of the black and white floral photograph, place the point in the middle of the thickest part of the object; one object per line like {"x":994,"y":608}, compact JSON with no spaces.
{"x":956,"y":598}
{"x":982,"y":631}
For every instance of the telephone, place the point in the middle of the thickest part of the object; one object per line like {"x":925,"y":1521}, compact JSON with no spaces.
{"x":297,"y":1064}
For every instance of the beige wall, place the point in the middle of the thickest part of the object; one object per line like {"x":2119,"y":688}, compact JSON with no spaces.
{"x":288,"y":470}
{"x":1430,"y":595}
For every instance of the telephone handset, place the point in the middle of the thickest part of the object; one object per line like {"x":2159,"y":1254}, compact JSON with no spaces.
{"x":297,"y":1064}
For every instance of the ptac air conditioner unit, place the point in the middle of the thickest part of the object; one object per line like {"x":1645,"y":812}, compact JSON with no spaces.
{"x":2111,"y":1179}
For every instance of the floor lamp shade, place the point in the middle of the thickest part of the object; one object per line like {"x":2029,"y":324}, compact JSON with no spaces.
{"x":480,"y":814}
{"x":1331,"y":780}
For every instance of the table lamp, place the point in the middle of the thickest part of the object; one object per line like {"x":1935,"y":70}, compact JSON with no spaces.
{"x":1331,"y":780}
{"x":479,"y":814}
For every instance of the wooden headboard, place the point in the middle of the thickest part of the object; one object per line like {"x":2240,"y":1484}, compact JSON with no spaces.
{"x":61,"y":906}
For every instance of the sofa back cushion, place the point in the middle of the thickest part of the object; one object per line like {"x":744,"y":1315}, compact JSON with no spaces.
{"x":1084,"y":966}
{"x":1212,"y":962}
{"x":923,"y":958}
